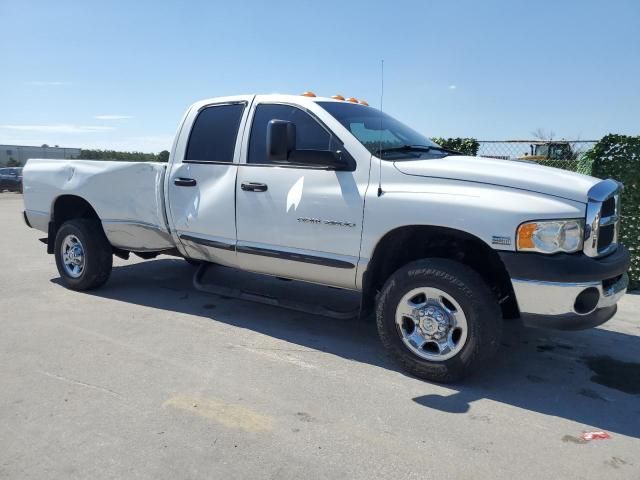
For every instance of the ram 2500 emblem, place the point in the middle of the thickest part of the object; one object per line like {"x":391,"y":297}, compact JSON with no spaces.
{"x":500,"y":240}
{"x":319,"y":221}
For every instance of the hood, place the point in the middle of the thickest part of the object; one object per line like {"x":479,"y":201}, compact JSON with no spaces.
{"x":505,"y":173}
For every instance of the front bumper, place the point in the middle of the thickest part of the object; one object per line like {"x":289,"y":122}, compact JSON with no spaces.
{"x":553,"y":304}
{"x":567,"y":292}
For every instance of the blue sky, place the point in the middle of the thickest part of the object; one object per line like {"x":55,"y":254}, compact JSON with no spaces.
{"x":119,"y":74}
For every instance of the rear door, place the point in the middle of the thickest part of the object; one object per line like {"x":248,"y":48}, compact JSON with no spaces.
{"x":296,"y":220}
{"x":201,"y":183}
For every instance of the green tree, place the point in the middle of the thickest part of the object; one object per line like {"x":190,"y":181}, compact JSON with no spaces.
{"x":468,"y":146}
{"x":618,"y":157}
{"x":87,"y":154}
{"x":163,"y":156}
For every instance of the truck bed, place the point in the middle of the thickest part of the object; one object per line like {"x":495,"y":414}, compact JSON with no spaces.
{"x":127,"y":196}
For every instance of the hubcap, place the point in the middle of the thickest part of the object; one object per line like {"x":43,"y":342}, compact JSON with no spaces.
{"x":73,"y":256}
{"x":431,"y":323}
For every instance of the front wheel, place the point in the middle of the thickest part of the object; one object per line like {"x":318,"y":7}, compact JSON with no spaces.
{"x":438,"y":319}
{"x":83,"y":254}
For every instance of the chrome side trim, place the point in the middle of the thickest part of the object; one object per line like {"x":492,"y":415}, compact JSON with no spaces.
{"x":294,"y":256}
{"x":557,"y":298}
{"x":132,"y":222}
{"x":208,"y":243}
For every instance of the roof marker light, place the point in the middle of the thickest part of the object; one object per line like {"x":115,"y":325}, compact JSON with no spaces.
{"x":308,"y":93}
{"x":337,"y":97}
{"x":363,"y":102}
{"x":352,"y":100}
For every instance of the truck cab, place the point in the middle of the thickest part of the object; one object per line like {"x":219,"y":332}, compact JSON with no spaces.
{"x":299,"y":195}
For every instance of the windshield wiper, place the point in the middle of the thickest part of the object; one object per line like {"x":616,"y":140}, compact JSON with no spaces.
{"x":418,"y":148}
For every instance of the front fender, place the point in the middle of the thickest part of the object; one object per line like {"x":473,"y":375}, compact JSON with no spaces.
{"x":488,"y":212}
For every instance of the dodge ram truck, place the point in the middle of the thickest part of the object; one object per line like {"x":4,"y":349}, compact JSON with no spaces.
{"x":442,"y":247}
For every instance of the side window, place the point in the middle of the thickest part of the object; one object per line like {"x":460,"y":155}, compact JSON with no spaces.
{"x":310,"y":135}
{"x":214,"y":132}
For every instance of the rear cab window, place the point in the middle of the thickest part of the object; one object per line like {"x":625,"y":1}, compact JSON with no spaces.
{"x":214,"y":132}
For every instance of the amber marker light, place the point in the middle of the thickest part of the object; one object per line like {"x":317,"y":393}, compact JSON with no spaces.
{"x":525,"y":235}
{"x":308,"y":93}
{"x":337,"y":97}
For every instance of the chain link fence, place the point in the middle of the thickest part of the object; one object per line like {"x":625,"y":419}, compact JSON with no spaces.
{"x":565,"y":154}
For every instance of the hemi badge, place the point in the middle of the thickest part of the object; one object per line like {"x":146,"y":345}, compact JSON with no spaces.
{"x":498,"y":240}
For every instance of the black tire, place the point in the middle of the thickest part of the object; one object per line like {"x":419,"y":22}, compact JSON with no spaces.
{"x":193,"y":262}
{"x":480,"y":307}
{"x":98,"y":254}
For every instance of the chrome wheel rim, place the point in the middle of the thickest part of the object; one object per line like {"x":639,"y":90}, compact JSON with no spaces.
{"x":73,"y":258}
{"x":431,"y":324}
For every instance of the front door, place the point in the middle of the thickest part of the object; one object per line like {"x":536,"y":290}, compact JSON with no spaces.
{"x":296,"y":220}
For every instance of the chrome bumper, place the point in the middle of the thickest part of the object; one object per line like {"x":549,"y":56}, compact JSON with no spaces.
{"x":553,"y":304}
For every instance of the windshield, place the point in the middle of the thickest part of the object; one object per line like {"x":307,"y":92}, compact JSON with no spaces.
{"x":378,"y":131}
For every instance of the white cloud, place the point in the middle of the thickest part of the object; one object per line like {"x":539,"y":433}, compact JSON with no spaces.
{"x":40,"y":83}
{"x":452,"y":87}
{"x":112,"y":117}
{"x":58,"y":128}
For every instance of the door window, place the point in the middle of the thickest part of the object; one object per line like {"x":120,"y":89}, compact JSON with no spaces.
{"x":214,"y":132}
{"x":310,"y":135}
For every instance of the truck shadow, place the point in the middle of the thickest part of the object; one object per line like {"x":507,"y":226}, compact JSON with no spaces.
{"x":587,"y":377}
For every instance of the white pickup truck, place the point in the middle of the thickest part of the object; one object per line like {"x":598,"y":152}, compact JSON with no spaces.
{"x":443,"y":246}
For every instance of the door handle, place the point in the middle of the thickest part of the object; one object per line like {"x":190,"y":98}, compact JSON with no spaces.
{"x":185,"y":182}
{"x":253,"y":187}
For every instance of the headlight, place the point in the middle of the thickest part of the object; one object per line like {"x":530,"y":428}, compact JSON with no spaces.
{"x":551,"y":236}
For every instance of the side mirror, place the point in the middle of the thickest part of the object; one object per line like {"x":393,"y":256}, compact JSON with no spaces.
{"x":281,"y":140}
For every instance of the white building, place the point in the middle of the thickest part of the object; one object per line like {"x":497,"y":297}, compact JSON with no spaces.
{"x":21,"y":153}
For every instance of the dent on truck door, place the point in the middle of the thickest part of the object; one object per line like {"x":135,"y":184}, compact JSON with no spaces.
{"x":201,"y":186}
{"x":295,"y":220}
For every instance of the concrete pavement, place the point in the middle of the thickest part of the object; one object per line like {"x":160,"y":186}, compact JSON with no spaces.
{"x":147,"y":378}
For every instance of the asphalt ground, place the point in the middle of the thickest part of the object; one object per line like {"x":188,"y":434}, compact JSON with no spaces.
{"x":149,"y":378}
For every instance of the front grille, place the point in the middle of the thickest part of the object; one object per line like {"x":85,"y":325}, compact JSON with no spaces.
{"x":605,"y":237}
{"x":602,"y":218}
{"x":608,"y":207}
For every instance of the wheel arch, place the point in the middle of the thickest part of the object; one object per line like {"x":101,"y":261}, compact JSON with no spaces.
{"x":413,"y":242}
{"x":64,"y":208}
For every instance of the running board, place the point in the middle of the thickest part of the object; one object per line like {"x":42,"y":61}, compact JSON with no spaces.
{"x":253,"y":287}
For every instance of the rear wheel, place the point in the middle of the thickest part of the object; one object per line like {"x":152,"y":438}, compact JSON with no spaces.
{"x":438,"y":319}
{"x":83,"y":254}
